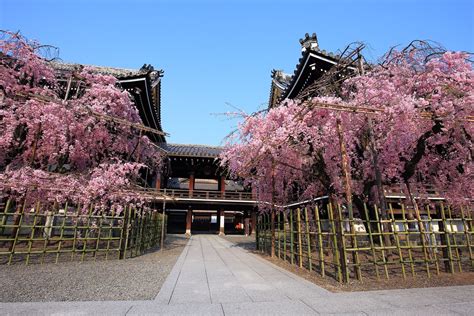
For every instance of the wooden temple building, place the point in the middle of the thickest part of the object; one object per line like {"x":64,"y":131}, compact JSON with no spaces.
{"x":197,"y":195}
{"x":204,"y":200}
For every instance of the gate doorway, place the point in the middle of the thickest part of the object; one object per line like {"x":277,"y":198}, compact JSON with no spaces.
{"x":206,"y":222}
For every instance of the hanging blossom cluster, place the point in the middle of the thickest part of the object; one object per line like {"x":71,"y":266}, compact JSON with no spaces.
{"x":53,"y":150}
{"x":422,"y":135}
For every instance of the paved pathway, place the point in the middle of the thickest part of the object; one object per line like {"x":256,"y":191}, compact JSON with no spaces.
{"x":214,"y":277}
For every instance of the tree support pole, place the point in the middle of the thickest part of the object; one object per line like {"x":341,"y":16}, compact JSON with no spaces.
{"x":345,"y":168}
{"x":272,"y":212}
{"x":375,"y":163}
{"x":348,"y":189}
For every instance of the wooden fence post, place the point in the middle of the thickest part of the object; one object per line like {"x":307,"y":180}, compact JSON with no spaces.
{"x":4,"y":216}
{"x":406,"y":228}
{"x":397,"y":242}
{"x":335,"y":240}
{"x":62,"y":231}
{"x":455,"y":243}
{"x":445,"y":241}
{"x":467,"y":233}
{"x":382,"y":246}
{"x":342,"y":245}
{"x":300,"y":246}
{"x":32,"y":235}
{"x":291,"y":238}
{"x":421,"y":230}
{"x":320,"y":240}
{"x":284,"y":235}
{"x":279,"y":237}
{"x":272,"y":232}
{"x":432,"y":240}
{"x":372,"y":245}
{"x":125,"y":232}
{"x":308,"y":239}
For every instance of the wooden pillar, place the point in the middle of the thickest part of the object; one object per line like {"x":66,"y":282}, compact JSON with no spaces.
{"x":218,"y":222}
{"x":221,"y":217}
{"x":191,"y":183}
{"x":221,"y":222}
{"x":221,"y":185}
{"x":246,"y":223}
{"x":158,"y":181}
{"x":189,"y":221}
{"x":247,"y":226}
{"x":253,"y":222}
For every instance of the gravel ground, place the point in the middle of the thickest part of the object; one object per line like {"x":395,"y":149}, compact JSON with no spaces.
{"x":138,"y":278}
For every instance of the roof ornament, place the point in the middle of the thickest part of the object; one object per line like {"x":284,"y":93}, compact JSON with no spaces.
{"x":309,"y":42}
{"x":146,"y":68}
{"x":277,"y":73}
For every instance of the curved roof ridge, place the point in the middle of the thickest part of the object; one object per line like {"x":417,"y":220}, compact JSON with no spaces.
{"x":195,"y":145}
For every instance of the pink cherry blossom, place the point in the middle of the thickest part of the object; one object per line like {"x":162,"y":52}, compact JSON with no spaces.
{"x":54,"y":150}
{"x":423,"y":135}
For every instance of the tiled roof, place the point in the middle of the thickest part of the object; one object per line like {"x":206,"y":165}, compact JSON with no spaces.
{"x":112,"y":71}
{"x":187,"y":150}
{"x":116,"y":72}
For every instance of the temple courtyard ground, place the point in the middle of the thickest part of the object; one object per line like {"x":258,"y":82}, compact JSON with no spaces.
{"x":214,"y":276}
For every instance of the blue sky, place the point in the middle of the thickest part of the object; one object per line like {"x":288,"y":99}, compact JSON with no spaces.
{"x":216,"y":53}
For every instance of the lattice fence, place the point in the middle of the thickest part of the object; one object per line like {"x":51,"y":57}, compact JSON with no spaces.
{"x":72,"y":232}
{"x":323,"y":240}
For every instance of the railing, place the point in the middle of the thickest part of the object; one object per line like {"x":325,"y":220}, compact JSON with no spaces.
{"x":208,"y":195}
{"x":204,"y":194}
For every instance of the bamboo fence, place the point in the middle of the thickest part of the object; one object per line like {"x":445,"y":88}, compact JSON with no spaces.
{"x":72,"y":232}
{"x":322,"y":239}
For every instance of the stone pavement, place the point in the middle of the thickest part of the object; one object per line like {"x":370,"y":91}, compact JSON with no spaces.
{"x":214,"y":277}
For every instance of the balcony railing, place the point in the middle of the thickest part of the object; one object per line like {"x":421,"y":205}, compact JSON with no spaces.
{"x":208,"y":195}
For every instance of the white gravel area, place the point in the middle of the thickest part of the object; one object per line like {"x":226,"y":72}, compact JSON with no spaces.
{"x":138,"y":278}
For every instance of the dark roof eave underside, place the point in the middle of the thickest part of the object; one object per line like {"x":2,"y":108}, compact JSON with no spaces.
{"x":301,"y":72}
{"x":145,"y":102}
